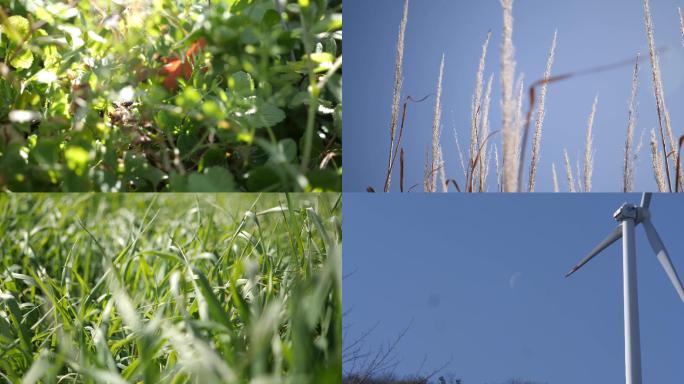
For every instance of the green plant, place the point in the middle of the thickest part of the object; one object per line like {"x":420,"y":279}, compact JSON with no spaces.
{"x":87,"y":102}
{"x":174,"y":288}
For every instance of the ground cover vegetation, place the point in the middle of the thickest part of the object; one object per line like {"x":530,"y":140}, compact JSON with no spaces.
{"x":209,"y":288}
{"x":170,"y":95}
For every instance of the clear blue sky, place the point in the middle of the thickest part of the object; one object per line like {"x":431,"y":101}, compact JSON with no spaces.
{"x":482,"y":279}
{"x":590,"y":33}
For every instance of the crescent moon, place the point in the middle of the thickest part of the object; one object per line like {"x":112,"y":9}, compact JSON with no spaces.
{"x":514,"y":279}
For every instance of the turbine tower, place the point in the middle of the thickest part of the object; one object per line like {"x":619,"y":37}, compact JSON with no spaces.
{"x":629,"y":216}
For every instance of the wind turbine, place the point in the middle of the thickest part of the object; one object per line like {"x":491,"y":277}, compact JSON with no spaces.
{"x":629,"y":216}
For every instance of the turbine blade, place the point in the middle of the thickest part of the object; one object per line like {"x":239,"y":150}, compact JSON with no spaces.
{"x":663,"y":257}
{"x":610,"y":239}
{"x":645,"y":200}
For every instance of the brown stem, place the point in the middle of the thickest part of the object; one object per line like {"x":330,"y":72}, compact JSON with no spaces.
{"x":553,"y":79}
{"x":452,"y":181}
{"x":679,"y":158}
{"x":401,"y":171}
{"x":471,"y":171}
{"x":393,"y":155}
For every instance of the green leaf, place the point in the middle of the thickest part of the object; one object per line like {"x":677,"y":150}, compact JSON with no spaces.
{"x":214,"y":180}
{"x":265,"y":115}
{"x":325,"y":180}
{"x":16,"y":318}
{"x":23,"y":60}
{"x":189,"y":98}
{"x":216,"y":311}
{"x":289,"y":147}
{"x":17,"y":28}
{"x":212,"y":109}
{"x":241,"y":83}
{"x":270,"y":19}
{"x":264,"y":178}
{"x":77,"y":159}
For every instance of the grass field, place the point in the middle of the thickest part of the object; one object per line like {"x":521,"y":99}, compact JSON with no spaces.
{"x":204,"y":288}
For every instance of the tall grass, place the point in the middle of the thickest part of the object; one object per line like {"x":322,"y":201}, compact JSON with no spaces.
{"x":177,"y":289}
{"x":508,"y":104}
{"x":657,"y":163}
{"x":510,"y":150}
{"x":483,"y":155}
{"x":589,"y":149}
{"x":555,"y":178}
{"x":436,"y":163}
{"x":663,"y":114}
{"x":396,"y":94}
{"x":536,"y":141}
{"x":628,"y":167}
{"x":568,"y":172}
{"x":479,"y":119}
{"x":681,"y":23}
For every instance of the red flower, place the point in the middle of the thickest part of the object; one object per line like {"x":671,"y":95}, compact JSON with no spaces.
{"x":174,"y":67}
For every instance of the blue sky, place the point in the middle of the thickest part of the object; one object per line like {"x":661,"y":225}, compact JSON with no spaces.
{"x":480,"y":278}
{"x":590,"y":33}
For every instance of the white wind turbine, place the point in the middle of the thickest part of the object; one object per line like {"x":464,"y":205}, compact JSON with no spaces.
{"x":629,"y":217}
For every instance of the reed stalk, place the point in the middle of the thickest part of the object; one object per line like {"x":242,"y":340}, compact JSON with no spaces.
{"x":663,"y":115}
{"x":508,"y":107}
{"x":437,"y":130}
{"x":476,"y":110}
{"x":657,"y":163}
{"x":589,"y":150}
{"x":536,"y":141}
{"x":484,"y":133}
{"x":555,"y":177}
{"x":396,"y":94}
{"x":568,"y":172}
{"x":628,"y":167}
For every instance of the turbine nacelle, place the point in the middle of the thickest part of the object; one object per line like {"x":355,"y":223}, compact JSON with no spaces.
{"x":626,"y":212}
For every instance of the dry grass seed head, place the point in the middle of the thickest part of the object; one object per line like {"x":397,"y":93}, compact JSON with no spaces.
{"x":589,"y":149}
{"x":396,"y":95}
{"x":536,"y":141}
{"x":628,"y":167}
{"x":476,"y":107}
{"x":568,"y":171}
{"x":657,"y":163}
{"x":437,"y":130}
{"x":681,"y":23}
{"x":555,"y":177}
{"x":484,"y":158}
{"x":508,"y":99}
{"x":663,"y":115}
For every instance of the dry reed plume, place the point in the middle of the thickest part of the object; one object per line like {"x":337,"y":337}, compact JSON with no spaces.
{"x":589,"y":149}
{"x":396,"y":95}
{"x":628,"y":168}
{"x":681,"y":23}
{"x":484,"y":137}
{"x":568,"y":171}
{"x":516,"y":125}
{"x":478,"y":119}
{"x":657,"y":162}
{"x":510,"y":131}
{"x":436,"y":158}
{"x":536,"y":141}
{"x":663,"y":114}
{"x":555,"y":178}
